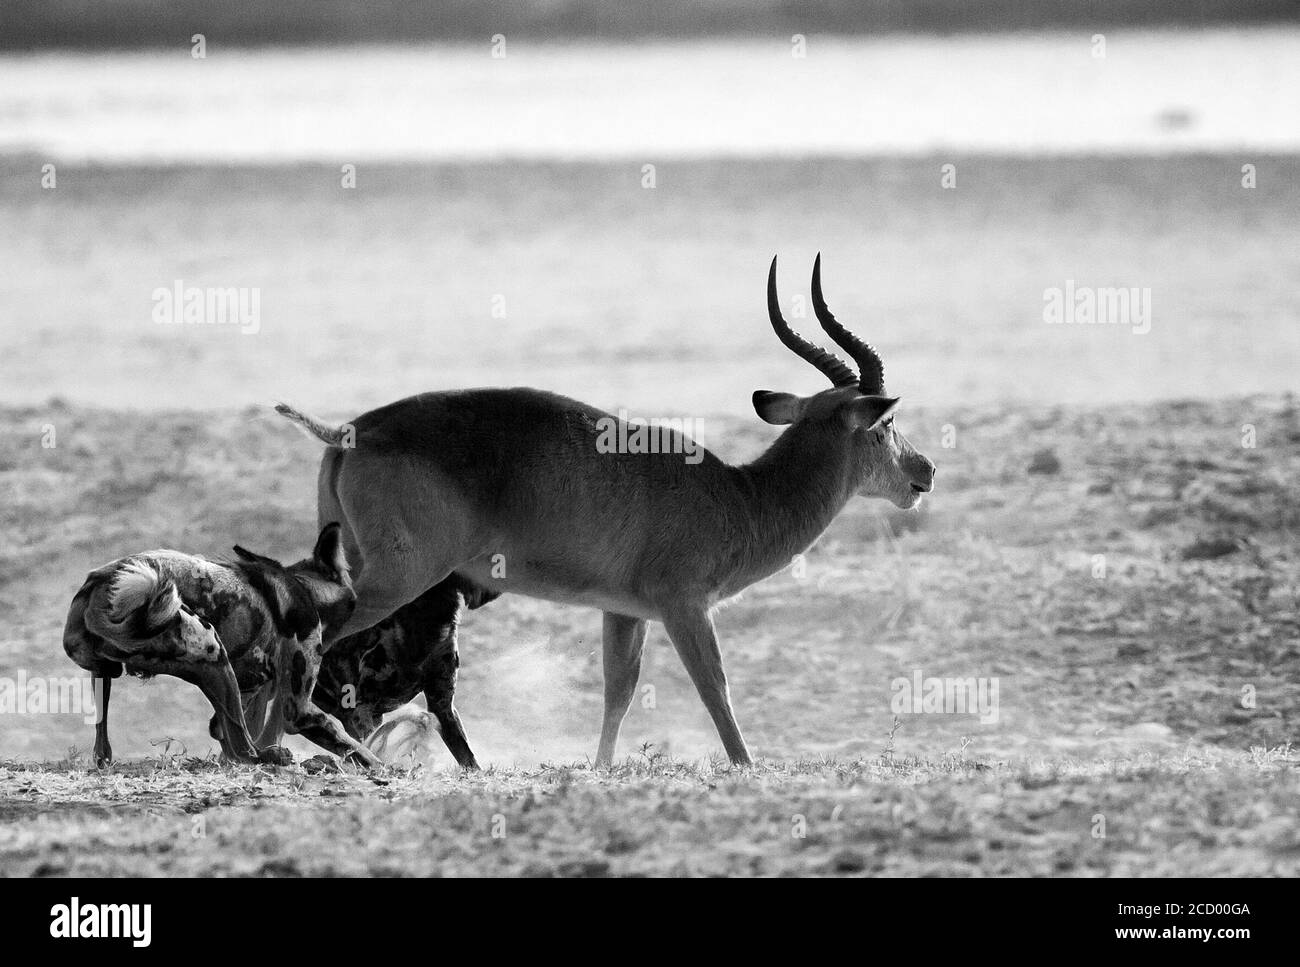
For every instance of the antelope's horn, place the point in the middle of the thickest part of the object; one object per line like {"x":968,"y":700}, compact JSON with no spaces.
{"x":831,"y":366}
{"x":868,"y":360}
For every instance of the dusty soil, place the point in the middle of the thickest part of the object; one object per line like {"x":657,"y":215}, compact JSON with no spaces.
{"x":1144,"y":816}
{"x":1128,"y":574}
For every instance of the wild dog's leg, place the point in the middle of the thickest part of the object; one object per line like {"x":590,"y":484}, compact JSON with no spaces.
{"x":216,"y":680}
{"x":258,"y":683}
{"x":339,"y":699}
{"x":428,"y":628}
{"x":87,"y":649}
{"x":359,"y":722}
{"x":103,"y":751}
{"x":215,"y":730}
{"x":624,"y":639}
{"x":255,"y":716}
{"x":692,"y":633}
{"x":301,"y":715}
{"x":266,"y":731}
{"x":439,"y":692}
{"x":313,"y":724}
{"x":218,"y":683}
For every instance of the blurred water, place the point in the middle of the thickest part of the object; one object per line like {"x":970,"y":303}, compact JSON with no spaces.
{"x":574,"y":277}
{"x":1154,"y":91}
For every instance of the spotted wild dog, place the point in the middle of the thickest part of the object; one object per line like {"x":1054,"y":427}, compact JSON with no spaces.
{"x":224,"y":626}
{"x":367,"y":675}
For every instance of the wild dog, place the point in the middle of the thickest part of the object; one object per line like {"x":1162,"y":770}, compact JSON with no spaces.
{"x":365,"y":676}
{"x":511,"y":489}
{"x":224,"y":626}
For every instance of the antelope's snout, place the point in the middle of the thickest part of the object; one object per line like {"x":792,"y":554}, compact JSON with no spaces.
{"x":913,"y":476}
{"x":921,"y":471}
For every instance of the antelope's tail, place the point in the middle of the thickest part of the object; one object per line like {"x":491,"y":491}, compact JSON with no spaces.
{"x":333,"y":435}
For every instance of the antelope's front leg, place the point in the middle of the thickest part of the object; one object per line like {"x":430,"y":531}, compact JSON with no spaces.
{"x":301,"y":714}
{"x":692,"y":633}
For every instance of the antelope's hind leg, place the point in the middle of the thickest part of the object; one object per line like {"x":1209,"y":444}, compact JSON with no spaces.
{"x":404,"y":531}
{"x":623,"y":643}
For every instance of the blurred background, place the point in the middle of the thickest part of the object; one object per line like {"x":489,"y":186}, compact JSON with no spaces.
{"x":585,"y":196}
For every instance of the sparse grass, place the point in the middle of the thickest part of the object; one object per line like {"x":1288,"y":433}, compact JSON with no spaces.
{"x":1189,"y":813}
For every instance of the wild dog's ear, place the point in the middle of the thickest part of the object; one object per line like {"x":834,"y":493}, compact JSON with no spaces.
{"x":869,"y":411}
{"x":247,"y":555}
{"x":777,"y":408}
{"x":328,"y":553}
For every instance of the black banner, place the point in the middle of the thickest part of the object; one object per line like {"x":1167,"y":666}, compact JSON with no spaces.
{"x":335,"y":917}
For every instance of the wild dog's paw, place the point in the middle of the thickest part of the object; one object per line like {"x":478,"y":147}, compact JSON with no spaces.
{"x":320,"y":763}
{"x":275,"y":755}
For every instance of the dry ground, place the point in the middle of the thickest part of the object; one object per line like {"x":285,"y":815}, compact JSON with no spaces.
{"x":1160,"y":816}
{"x":1126,"y":593}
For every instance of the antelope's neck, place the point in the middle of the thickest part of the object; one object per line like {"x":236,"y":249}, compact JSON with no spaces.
{"x":794,"y":491}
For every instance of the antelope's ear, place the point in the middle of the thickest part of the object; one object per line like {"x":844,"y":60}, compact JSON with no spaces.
{"x":249,"y":556}
{"x":328,"y":553}
{"x":868,"y":411}
{"x":777,"y":408}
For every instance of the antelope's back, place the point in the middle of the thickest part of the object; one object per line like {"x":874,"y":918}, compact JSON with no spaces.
{"x":507,"y":439}
{"x":530,"y":465}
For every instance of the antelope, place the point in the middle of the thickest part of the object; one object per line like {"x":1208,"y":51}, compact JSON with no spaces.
{"x":506,"y":489}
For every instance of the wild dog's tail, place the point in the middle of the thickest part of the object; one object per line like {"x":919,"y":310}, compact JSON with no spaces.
{"x":333,"y":435}
{"x":139,"y":603}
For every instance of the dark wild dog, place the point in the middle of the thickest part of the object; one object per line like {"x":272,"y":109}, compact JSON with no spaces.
{"x":413,"y":651}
